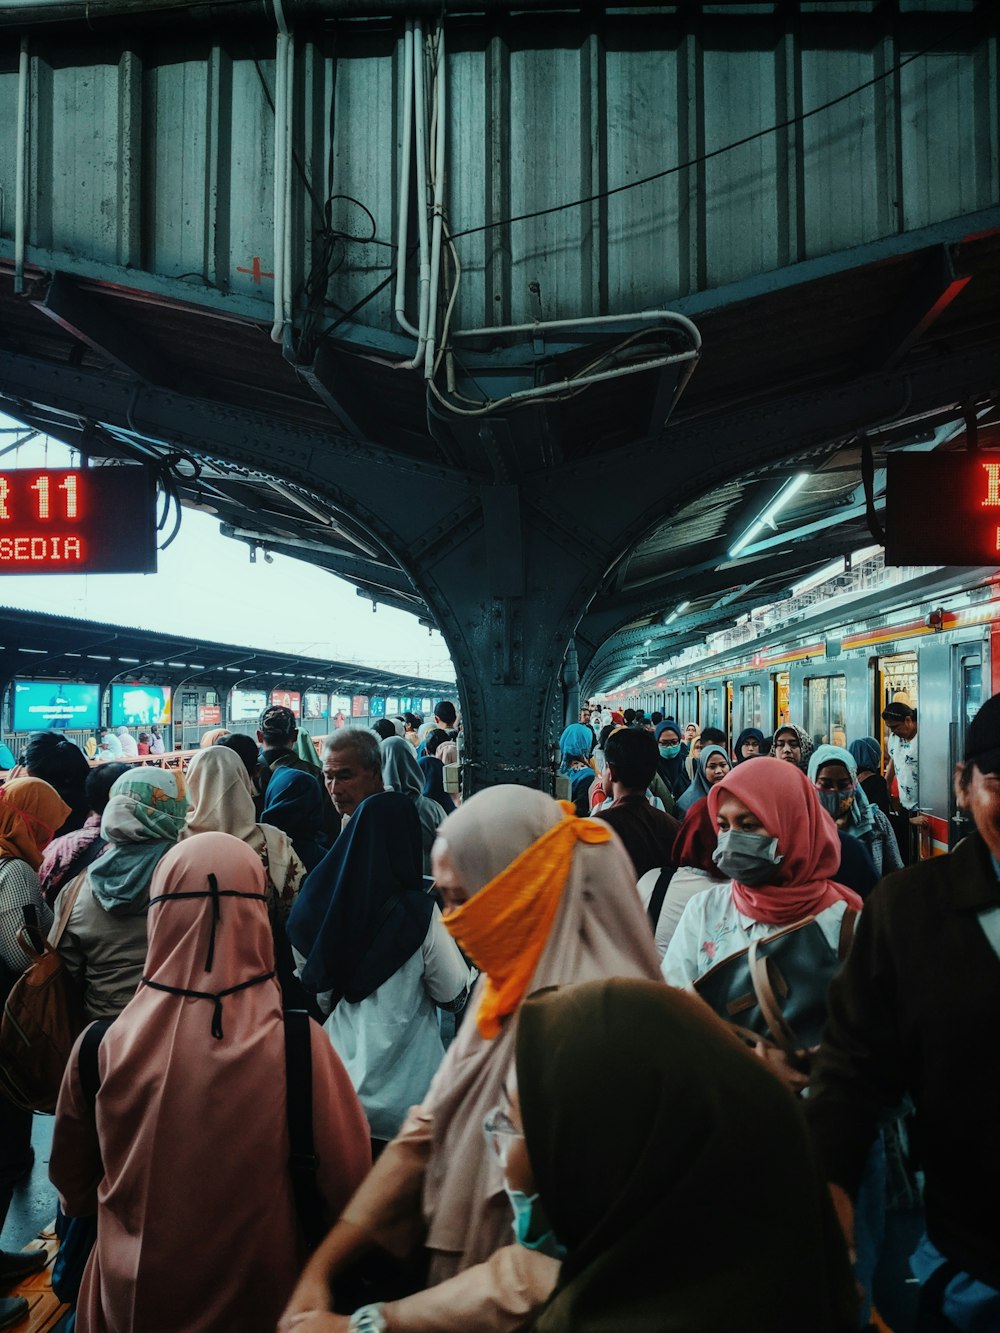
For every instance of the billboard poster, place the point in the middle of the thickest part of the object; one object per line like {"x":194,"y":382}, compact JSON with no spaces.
{"x":135,"y":705}
{"x":57,"y":705}
{"x":246,"y":705}
{"x":287,"y":699}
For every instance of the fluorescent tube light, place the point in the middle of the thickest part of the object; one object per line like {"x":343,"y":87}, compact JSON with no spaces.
{"x":766,"y":519}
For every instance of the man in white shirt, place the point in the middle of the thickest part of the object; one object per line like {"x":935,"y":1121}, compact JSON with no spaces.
{"x":901,"y":720}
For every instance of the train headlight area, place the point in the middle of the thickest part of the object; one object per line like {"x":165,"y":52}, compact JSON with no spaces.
{"x":78,"y":677}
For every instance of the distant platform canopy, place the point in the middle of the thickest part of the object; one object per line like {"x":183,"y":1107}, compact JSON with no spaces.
{"x":44,"y":647}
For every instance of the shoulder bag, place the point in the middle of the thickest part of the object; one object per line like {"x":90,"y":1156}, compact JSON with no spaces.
{"x":775,"y":990}
{"x":42,"y":1017}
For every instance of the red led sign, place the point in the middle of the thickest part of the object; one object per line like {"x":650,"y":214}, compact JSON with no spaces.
{"x":942,"y":509}
{"x":77,"y":521}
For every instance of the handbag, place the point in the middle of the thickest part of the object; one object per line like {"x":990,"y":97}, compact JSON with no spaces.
{"x":42,"y":1017}
{"x":775,"y":989}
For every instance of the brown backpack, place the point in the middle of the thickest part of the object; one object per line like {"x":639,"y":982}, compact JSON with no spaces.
{"x":42,"y":1018}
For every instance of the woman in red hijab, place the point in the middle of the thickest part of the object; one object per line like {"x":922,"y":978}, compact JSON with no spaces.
{"x":779,"y":851}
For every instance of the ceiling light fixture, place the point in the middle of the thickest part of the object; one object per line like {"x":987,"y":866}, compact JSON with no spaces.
{"x":766,"y":518}
{"x":677,"y":611}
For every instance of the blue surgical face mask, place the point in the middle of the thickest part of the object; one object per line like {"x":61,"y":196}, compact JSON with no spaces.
{"x":526,"y":1225}
{"x":670,"y":751}
{"x":749,"y":858}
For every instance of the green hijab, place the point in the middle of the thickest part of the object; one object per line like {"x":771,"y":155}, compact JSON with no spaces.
{"x":676,"y":1170}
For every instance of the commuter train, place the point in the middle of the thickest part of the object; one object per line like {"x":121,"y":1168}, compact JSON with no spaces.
{"x":934,"y":636}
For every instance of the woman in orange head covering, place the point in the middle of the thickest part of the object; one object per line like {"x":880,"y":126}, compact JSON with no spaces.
{"x":542,"y":898}
{"x":30,"y":813}
{"x":197,"y":1228}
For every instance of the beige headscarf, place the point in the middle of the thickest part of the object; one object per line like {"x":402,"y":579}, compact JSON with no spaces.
{"x":600,"y":931}
{"x":221,"y":801}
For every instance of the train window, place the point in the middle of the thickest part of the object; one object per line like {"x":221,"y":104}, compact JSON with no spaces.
{"x":749,"y":706}
{"x":826,"y":710}
{"x":712,"y":711}
{"x":972,"y":687}
{"x":899,"y":676}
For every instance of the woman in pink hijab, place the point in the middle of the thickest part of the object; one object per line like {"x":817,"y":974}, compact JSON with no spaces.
{"x":184,"y":1157}
{"x":779,"y":851}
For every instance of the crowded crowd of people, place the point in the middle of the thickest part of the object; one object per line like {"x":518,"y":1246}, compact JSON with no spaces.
{"x":633,"y":1059}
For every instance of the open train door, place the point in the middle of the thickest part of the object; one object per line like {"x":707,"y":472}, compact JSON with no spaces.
{"x":967,"y":686}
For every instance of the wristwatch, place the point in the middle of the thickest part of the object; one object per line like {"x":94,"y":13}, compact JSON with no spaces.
{"x":369,"y":1319}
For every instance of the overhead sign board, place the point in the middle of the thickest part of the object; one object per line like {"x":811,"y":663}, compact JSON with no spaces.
{"x":942,"y":509}
{"x":77,"y":521}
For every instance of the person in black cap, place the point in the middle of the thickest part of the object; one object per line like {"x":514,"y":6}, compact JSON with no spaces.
{"x":277,"y":731}
{"x":911,"y":1014}
{"x":900,"y":718}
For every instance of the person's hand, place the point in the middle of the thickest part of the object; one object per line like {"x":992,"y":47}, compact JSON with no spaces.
{"x":921,"y":821}
{"x":315,"y":1321}
{"x":844,"y":1209}
{"x":311,"y":1296}
{"x":781,"y":1064}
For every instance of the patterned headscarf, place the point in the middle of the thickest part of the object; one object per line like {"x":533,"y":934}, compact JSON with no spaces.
{"x":804,"y":742}
{"x":141,"y":821}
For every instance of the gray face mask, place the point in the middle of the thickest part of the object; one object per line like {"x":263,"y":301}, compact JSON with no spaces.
{"x":749,"y":858}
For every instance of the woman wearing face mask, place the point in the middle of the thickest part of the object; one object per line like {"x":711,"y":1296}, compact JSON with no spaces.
{"x":834,"y":774}
{"x":781,"y":852}
{"x":710,"y":768}
{"x":670,"y":764}
{"x":658,"y":1158}
{"x":539,"y":898}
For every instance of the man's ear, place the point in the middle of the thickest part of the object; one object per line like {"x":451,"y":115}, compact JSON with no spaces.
{"x":260,"y":738}
{"x":961,"y":787}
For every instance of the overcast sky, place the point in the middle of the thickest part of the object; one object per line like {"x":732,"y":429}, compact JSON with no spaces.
{"x":206,"y":587}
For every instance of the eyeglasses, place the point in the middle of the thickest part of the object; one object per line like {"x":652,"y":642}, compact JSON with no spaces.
{"x":835,"y":784}
{"x":500,"y":1132}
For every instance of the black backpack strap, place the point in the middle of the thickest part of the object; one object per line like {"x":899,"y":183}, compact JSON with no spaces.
{"x":90,"y":1076}
{"x":302,"y":1161}
{"x":659,"y":893}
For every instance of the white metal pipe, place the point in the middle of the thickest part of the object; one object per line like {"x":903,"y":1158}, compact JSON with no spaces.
{"x":286,"y":267}
{"x":581,"y":381}
{"x":424,"y":283}
{"x":20,"y":194}
{"x":280,"y":167}
{"x":671,"y":316}
{"x":403,"y":227}
{"x":441,"y":107}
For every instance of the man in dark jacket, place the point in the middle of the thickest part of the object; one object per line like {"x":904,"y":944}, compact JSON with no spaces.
{"x":912,"y":1013}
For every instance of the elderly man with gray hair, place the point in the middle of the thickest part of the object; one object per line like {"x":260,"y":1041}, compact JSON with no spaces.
{"x":352,"y":769}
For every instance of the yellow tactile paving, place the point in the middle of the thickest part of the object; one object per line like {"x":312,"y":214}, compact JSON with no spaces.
{"x":45,"y":1309}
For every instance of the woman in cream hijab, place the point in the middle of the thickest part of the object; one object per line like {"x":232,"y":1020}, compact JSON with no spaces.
{"x":221,"y":801}
{"x":540,"y":898}
{"x":220,"y":798}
